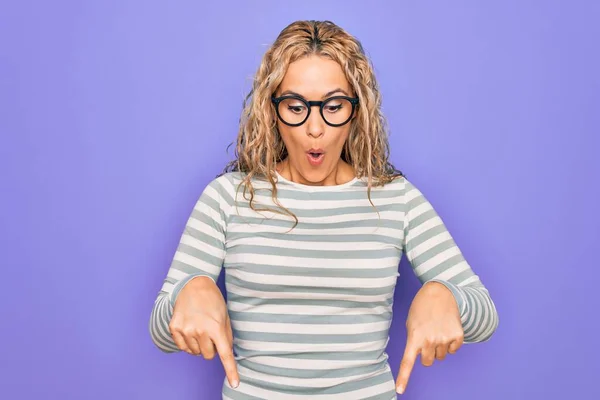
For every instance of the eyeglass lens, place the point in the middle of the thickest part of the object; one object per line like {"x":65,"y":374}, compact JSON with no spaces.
{"x":335,"y":111}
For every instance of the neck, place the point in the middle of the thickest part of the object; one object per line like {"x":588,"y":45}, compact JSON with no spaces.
{"x":341,"y":173}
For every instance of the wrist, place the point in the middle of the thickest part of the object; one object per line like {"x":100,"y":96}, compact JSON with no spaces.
{"x":436,"y":287}
{"x":197,"y":282}
{"x":445,"y":289}
{"x":201,"y":281}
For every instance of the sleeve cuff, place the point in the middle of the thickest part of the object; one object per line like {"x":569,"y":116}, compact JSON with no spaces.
{"x":456,"y":292}
{"x":180,"y":285}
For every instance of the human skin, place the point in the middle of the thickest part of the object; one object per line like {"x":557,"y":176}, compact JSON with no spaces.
{"x":200,"y":323}
{"x":433,"y":324}
{"x":313,"y":78}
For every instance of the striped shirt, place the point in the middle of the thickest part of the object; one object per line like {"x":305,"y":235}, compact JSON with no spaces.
{"x":311,"y":306}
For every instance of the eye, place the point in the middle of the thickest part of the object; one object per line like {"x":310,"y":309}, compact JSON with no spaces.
{"x":332,"y":108}
{"x":296,"y":108}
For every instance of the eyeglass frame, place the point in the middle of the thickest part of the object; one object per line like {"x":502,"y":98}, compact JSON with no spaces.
{"x":312,"y":103}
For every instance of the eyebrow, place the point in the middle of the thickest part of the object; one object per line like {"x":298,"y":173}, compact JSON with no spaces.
{"x":324,"y":96}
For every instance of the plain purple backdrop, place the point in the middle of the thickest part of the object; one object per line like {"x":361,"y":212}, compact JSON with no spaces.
{"x":115,"y":114}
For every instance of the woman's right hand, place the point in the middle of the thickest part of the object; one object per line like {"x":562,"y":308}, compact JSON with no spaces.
{"x":200,"y":324}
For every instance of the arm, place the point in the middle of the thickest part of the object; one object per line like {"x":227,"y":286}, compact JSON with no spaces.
{"x":200,"y":252}
{"x":435,"y":257}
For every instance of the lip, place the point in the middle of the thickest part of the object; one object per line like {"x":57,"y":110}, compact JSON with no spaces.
{"x":313,"y":150}
{"x":315,"y":161}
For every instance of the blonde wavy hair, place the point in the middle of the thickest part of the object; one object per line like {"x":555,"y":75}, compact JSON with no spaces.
{"x":259,"y":146}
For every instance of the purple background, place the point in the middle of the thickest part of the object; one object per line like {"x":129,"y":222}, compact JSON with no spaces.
{"x":114,"y":115}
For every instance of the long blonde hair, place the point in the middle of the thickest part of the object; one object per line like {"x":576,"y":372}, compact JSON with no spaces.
{"x":259,"y":146}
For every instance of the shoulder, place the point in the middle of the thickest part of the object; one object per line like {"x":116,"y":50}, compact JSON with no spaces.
{"x":229,"y":185}
{"x":403,"y":190}
{"x":409,"y":190}
{"x":226,"y":179}
{"x":398,"y":183}
{"x":404,"y":184}
{"x":223,"y":186}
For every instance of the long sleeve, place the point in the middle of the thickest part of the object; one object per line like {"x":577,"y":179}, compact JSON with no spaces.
{"x":200,"y":252}
{"x":434,"y":256}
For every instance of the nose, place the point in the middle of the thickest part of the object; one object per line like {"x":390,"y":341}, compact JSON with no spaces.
{"x":315,"y":125}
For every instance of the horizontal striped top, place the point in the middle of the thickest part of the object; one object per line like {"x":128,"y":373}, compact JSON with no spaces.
{"x":311,"y":306}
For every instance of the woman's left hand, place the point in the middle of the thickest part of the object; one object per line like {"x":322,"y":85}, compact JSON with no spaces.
{"x":433,"y":329}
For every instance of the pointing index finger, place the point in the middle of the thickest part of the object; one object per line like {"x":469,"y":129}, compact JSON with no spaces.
{"x":226,"y":355}
{"x":406,"y":365}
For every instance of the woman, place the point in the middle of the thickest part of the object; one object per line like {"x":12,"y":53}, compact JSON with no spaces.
{"x":309,"y":223}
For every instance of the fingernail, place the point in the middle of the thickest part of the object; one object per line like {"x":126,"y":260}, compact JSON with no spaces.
{"x":400,"y":389}
{"x":235,"y":384}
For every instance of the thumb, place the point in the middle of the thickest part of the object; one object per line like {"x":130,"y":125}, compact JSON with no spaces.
{"x":406,"y":366}
{"x":225,"y":350}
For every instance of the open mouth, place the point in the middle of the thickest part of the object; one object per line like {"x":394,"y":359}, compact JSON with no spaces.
{"x":315,"y":157}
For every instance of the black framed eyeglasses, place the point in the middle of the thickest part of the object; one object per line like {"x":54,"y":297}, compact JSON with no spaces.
{"x":294,"y":110}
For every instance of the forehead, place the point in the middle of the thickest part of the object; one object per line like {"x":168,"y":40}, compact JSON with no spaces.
{"x":314,"y":76}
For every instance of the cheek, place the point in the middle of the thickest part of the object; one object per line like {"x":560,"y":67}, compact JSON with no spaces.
{"x":342,"y":137}
{"x":290,"y":138}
